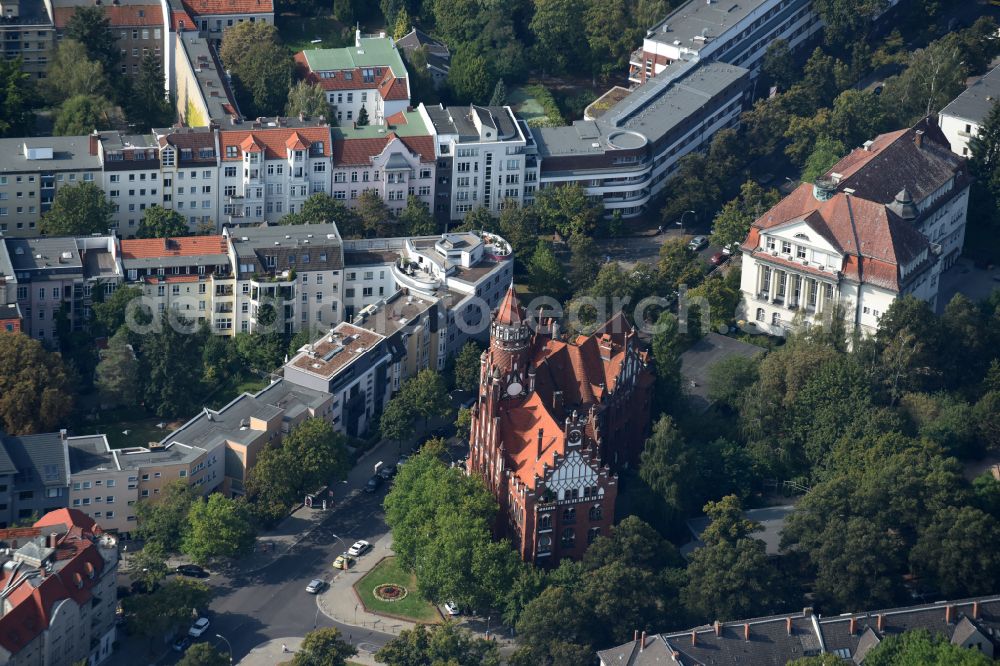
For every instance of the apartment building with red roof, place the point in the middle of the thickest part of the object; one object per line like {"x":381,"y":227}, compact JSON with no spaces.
{"x":140,"y":28}
{"x":881,"y":223}
{"x":395,"y":159}
{"x":58,"y":582}
{"x":271,"y":166}
{"x":369,"y":75}
{"x":553,"y":420}
{"x":216,"y":16}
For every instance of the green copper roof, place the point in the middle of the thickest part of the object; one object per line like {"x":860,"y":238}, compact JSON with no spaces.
{"x":373,"y":52}
{"x":414,"y":127}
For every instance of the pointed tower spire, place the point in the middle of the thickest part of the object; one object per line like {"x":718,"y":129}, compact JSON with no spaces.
{"x":510,"y":312}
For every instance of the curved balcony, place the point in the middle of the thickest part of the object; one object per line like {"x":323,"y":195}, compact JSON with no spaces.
{"x":497,"y":247}
{"x":410,"y":275}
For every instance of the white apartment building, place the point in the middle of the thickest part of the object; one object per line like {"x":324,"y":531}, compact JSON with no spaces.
{"x":189,"y":166}
{"x":131,"y":177}
{"x":847,"y":242}
{"x":737,"y":32}
{"x":965,"y":115}
{"x":370,"y":74}
{"x":395,"y":159}
{"x":99,"y":485}
{"x":270,"y":167}
{"x":481,"y":158}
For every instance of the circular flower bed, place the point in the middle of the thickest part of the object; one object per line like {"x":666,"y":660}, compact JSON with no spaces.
{"x":390,"y":592}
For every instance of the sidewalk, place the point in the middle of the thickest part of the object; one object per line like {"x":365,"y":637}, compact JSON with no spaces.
{"x":270,"y":653}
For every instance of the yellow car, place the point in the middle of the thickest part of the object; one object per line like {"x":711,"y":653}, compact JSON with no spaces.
{"x":344,"y":561}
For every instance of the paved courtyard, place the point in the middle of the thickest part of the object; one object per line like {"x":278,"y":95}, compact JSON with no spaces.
{"x":964,"y":278}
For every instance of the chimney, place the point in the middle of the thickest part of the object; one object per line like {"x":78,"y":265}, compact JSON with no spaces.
{"x":302,"y":117}
{"x":694,"y":638}
{"x":62,"y":434}
{"x":975,"y":610}
{"x":880,"y":623}
{"x":557,"y":400}
{"x":854,"y":626}
{"x":807,"y":611}
{"x":95,"y":139}
{"x":642,"y":642}
{"x":918,"y":138}
{"x":718,"y":628}
{"x":41,"y":570}
{"x":538,"y":456}
{"x":788,"y":625}
{"x":746,"y":631}
{"x":949,"y":614}
{"x":53,"y":540}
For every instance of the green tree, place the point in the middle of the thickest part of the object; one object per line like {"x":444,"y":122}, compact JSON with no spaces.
{"x":427,"y":394}
{"x":920,"y":647}
{"x":470,"y":76}
{"x":678,"y":264}
{"x":261,"y":351}
{"x":403,"y":23}
{"x":779,"y":65}
{"x":35,"y":390}
{"x":117,"y":373}
{"x":555,"y":623}
{"x":165,"y":520}
{"x":567,"y":210}
{"x":109,"y":315}
{"x":609,"y":36}
{"x":666,"y":464}
{"x":17,"y":99}
{"x":147,"y":103}
{"x":397,"y":418}
{"x":416,"y":218}
{"x":149,"y":565}
{"x":667,"y":348}
{"x":463,"y":422}
{"x":158,"y":222}
{"x":730,"y":577}
{"x":321,"y":208}
{"x":169,"y":383}
{"x":203,"y":654}
{"x":362,"y":116}
{"x":847,"y":20}
{"x":439,"y":644}
{"x":160,"y":613}
{"x":307,"y":99}
{"x":499,"y":97}
{"x":560,"y":41}
{"x":343,"y":11}
{"x":376,"y":218}
{"x":90,"y":27}
{"x":954,"y":554}
{"x":324,"y":647}
{"x":467,"y":366}
{"x":261,"y":67}
{"x":73,"y":73}
{"x":519,"y":227}
{"x":218,"y":527}
{"x":78,"y":210}
{"x":732,"y":223}
{"x":935,"y":75}
{"x":730,"y":378}
{"x":319,"y":452}
{"x":83,"y":114}
{"x":826,"y":152}
{"x":584,"y":263}
{"x":545,"y":274}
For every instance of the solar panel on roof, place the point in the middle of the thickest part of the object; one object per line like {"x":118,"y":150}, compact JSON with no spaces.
{"x":586,"y":129}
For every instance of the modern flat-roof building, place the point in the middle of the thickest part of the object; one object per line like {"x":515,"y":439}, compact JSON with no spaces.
{"x":368,"y":75}
{"x":31,"y":172}
{"x":59,"y":591}
{"x":99,"y":485}
{"x":730,"y":31}
{"x":964,"y":116}
{"x":481,"y":159}
{"x":624,"y":156}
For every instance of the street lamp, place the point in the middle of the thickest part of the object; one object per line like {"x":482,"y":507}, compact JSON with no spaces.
{"x":680,"y":222}
{"x":229,"y":645}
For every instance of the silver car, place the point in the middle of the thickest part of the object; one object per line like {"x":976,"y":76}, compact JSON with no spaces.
{"x":315,"y":586}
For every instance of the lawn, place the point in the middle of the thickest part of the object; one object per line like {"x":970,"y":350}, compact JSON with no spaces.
{"x":412,"y":607}
{"x":297,"y":32}
{"x":128,"y":429}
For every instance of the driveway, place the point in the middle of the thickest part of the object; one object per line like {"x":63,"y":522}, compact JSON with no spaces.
{"x":964,"y":278}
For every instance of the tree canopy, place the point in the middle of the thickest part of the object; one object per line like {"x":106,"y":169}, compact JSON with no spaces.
{"x":261,"y":67}
{"x":158,"y":222}
{"x":36,"y":393}
{"x":78,"y":210}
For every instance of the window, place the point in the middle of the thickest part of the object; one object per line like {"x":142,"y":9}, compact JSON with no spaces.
{"x":596,"y":513}
{"x":569,"y":515}
{"x":183,"y":473}
{"x":110,"y":499}
{"x":760,"y":314}
{"x":545,"y":521}
{"x":110,"y":483}
{"x":544,"y":544}
{"x":592,"y":534}
{"x":800,"y":252}
{"x":776,"y":319}
{"x":568,"y":538}
{"x":786,"y":247}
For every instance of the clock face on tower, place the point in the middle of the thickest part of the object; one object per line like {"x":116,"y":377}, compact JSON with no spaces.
{"x":575,"y":436}
{"x":514,"y":388}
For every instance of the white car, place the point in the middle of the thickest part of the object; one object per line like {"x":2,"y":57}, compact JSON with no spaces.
{"x":359,"y":548}
{"x":314,"y":586}
{"x":452,"y":608}
{"x":199,"y":627}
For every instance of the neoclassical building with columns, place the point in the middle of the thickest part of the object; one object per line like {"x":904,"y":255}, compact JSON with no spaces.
{"x":881,"y":223}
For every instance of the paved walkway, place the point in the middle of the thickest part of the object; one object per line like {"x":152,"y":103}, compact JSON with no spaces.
{"x":270,"y":653}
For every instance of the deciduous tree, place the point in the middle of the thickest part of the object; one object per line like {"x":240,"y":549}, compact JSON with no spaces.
{"x":90,"y":27}
{"x":260,"y":65}
{"x":545,"y":274}
{"x":17,"y":99}
{"x":470,"y":76}
{"x":307,"y":99}
{"x":218,"y":527}
{"x":203,"y":654}
{"x":157,"y":614}
{"x":118,"y":373}
{"x":467,"y":366}
{"x":416,"y":218}
{"x":78,"y":210}
{"x":35,"y":391}
{"x":439,"y":644}
{"x":164,"y":521}
{"x":158,"y":222}
{"x":324,"y":647}
{"x":73,"y":73}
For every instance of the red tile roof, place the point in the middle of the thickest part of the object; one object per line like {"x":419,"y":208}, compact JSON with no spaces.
{"x":359,"y":151}
{"x":213,"y":7}
{"x":510,"y":312}
{"x":273,"y":141}
{"x":118,"y":15}
{"x":181,"y":20}
{"x":187,"y":246}
{"x":390,"y":87}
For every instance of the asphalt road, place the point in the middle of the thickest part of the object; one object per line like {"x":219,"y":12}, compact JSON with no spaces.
{"x":273,"y":603}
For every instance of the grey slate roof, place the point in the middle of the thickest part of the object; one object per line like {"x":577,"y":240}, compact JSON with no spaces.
{"x":978,"y":99}
{"x":31,"y":254}
{"x":7,"y":465}
{"x":438,"y":55}
{"x":458,"y":120}
{"x":778,"y":639}
{"x":252,"y":244}
{"x":697,"y":18}
{"x":44,"y":457}
{"x":90,"y":452}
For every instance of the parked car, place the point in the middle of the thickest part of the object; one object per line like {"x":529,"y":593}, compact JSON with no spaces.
{"x":192,"y":570}
{"x":697,"y":243}
{"x":387,"y":472}
{"x":402,"y":460}
{"x":181,"y":643}
{"x":374,"y":483}
{"x":451,"y":608}
{"x":343,"y":561}
{"x":315,"y":586}
{"x":719,"y":258}
{"x":199,"y":627}
{"x":359,"y":547}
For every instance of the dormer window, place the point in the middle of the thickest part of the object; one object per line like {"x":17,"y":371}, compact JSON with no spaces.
{"x":167,"y":157}
{"x":231,"y":151}
{"x":786,"y":247}
{"x":770,"y":243}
